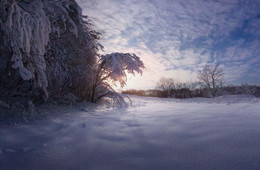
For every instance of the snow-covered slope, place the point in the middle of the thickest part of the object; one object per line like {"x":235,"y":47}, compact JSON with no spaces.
{"x":220,"y":133}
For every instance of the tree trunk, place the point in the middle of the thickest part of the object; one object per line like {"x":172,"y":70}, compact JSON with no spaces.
{"x":93,"y":95}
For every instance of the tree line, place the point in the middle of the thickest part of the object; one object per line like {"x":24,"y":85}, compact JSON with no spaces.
{"x":210,"y":84}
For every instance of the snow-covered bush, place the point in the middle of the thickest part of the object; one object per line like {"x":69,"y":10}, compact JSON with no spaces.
{"x":113,"y":68}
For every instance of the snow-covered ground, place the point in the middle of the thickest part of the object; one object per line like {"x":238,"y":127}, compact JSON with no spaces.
{"x":220,"y":133}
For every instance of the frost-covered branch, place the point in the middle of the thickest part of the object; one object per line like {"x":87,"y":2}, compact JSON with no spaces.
{"x":114,"y":68}
{"x":28,"y":28}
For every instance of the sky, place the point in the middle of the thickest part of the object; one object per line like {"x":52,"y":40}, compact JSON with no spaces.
{"x":176,"y":38}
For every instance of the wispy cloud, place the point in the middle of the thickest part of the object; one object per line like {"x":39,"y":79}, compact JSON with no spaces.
{"x":176,"y":38}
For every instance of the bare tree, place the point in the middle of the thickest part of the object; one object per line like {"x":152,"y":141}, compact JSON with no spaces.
{"x":166,"y":85}
{"x":212,"y":76}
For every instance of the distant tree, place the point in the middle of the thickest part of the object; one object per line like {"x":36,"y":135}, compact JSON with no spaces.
{"x":166,"y":85}
{"x":193,"y":87}
{"x":112,"y":69}
{"x":212,"y":76}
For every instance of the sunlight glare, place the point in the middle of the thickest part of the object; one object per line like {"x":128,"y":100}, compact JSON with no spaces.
{"x":117,"y":86}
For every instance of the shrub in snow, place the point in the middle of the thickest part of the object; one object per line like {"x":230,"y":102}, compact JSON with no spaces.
{"x":113,"y":68}
{"x":175,"y":89}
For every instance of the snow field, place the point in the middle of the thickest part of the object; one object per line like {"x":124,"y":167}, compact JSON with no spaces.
{"x":220,"y":133}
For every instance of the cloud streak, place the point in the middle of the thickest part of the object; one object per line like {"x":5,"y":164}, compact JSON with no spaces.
{"x":176,"y":38}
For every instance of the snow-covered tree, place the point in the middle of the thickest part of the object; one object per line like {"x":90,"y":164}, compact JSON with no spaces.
{"x":75,"y":44}
{"x":46,"y":46}
{"x":28,"y":28}
{"x":212,"y":77}
{"x":113,"y":68}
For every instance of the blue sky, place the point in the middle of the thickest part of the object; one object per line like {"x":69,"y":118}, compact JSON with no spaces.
{"x":176,"y":38}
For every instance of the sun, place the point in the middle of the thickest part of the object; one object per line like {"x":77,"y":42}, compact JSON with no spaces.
{"x":117,"y":87}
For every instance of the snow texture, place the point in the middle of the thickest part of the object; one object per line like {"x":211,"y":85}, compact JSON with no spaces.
{"x":154,"y":133}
